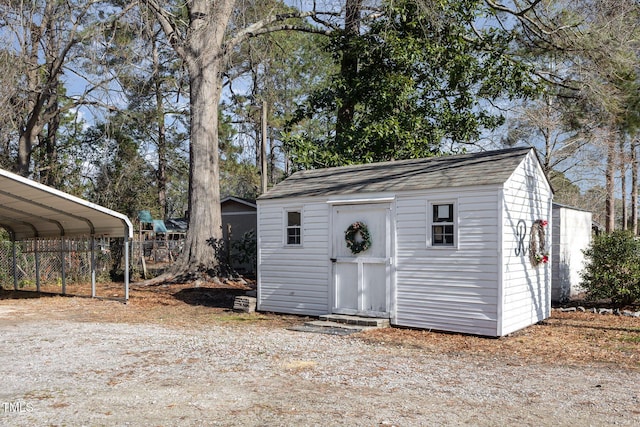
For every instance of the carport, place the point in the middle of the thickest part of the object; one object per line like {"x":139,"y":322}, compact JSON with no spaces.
{"x":34,"y":212}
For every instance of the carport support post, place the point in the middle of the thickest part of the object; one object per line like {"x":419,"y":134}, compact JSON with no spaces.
{"x":93,"y":267}
{"x":15,"y":266}
{"x":126,"y":269}
{"x":62,"y":269}
{"x":37,"y":266}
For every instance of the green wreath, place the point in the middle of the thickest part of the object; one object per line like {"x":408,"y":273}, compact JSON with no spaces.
{"x":350,"y":236}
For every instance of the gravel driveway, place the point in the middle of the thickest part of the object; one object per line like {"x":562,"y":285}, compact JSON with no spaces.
{"x":66,"y":372}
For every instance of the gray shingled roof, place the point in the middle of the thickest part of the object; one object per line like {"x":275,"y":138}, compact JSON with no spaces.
{"x":484,"y":168}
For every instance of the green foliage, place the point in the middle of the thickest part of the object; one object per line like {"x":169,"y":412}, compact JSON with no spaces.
{"x":60,"y":162}
{"x":123,"y":179}
{"x":613,"y":268}
{"x":421,"y":79}
{"x":245,"y":250}
{"x":565,"y":192}
{"x":279,"y":69}
{"x":238,"y":177}
{"x":223,"y":267}
{"x":26,"y":283}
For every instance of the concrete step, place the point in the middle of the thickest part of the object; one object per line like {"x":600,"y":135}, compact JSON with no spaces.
{"x":337,"y":324}
{"x":331,"y":328}
{"x":373,"y":322}
{"x":328,"y":324}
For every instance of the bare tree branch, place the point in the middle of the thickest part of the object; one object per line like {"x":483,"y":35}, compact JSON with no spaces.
{"x":168,"y":22}
{"x":264,"y":26}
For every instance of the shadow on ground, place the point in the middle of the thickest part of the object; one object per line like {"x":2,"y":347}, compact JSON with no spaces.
{"x":11,"y":294}
{"x":209,"y":297}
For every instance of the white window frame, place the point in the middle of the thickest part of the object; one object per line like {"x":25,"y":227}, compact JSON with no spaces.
{"x":286,"y":227}
{"x":431,"y":223}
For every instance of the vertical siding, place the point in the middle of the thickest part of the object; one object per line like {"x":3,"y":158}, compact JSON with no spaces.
{"x":558,"y":278}
{"x":526,"y":293}
{"x":480,"y":287}
{"x":571,"y":235}
{"x":451,"y":289}
{"x":293,"y":279}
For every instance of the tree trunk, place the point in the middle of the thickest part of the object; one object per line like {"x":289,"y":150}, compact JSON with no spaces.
{"x":609,"y":184}
{"x":623,"y":184}
{"x":205,"y":222}
{"x":52,"y":178}
{"x":264,"y":175}
{"x":30,"y":130}
{"x":634,"y":187}
{"x":204,"y":61}
{"x":25,"y":147}
{"x":161,"y":172}
{"x":348,"y":66}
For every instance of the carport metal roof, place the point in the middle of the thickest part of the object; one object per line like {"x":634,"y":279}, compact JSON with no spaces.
{"x":32,"y":210}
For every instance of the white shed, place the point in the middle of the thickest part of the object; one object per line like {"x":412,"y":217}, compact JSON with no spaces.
{"x":453,"y":240}
{"x":571,"y":235}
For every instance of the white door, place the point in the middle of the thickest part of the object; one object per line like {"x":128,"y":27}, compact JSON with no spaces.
{"x":361,"y":281}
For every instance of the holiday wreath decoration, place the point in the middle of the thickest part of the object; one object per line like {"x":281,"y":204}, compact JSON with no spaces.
{"x":357,"y":246}
{"x":537,"y":243}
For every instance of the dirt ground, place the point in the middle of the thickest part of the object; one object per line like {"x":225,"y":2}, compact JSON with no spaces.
{"x":177,"y":355}
{"x":572,"y":337}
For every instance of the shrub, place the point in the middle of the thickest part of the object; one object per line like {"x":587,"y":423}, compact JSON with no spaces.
{"x":612,"y":269}
{"x":245,"y":250}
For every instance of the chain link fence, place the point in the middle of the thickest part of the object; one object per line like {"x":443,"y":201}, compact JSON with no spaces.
{"x":42,"y":262}
{"x":48,"y":257}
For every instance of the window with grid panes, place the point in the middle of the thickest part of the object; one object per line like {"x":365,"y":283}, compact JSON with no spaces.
{"x":442,"y":225}
{"x":294,"y":228}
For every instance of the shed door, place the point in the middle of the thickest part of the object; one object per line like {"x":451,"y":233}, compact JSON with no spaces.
{"x":361,"y":281}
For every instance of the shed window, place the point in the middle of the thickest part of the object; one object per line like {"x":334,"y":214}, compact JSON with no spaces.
{"x":294,"y":228}
{"x":442,"y":225}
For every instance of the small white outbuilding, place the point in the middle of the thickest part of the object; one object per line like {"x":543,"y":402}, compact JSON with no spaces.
{"x":455,"y":243}
{"x":572,"y":229}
